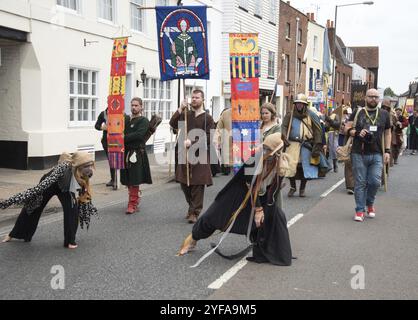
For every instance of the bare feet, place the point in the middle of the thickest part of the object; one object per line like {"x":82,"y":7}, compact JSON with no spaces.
{"x":7,"y":239}
{"x":187,"y":248}
{"x":188,"y":245}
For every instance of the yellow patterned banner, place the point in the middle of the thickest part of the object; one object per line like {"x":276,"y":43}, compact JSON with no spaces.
{"x":116,"y":104}
{"x":245,"y":71}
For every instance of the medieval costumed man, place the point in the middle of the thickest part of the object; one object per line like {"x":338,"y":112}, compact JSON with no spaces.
{"x":69,"y":181}
{"x":332,"y":127}
{"x":137,"y":170}
{"x":247,"y":206}
{"x":400,"y":123}
{"x":302,"y":132}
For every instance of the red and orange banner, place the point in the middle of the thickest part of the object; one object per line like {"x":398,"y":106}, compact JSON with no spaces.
{"x":245,"y":71}
{"x":116,"y":104}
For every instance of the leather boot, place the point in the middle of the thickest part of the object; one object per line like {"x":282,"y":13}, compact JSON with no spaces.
{"x":111,"y":183}
{"x":335,"y":163}
{"x":193,"y":218}
{"x":131,"y":203}
{"x":136,"y":197}
{"x":302,"y":193}
{"x":291,"y":193}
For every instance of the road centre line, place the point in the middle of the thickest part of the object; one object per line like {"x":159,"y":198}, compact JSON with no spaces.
{"x":217,"y":284}
{"x":326,"y":193}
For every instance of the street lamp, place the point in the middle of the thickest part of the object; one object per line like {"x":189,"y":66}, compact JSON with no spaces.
{"x":143,"y":78}
{"x":335,"y":41}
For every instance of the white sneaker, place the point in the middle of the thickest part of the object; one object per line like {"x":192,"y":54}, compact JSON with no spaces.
{"x":371,"y":212}
{"x":359,"y":217}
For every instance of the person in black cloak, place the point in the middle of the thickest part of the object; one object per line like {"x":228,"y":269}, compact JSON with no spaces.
{"x":70,"y":182}
{"x":247,"y":205}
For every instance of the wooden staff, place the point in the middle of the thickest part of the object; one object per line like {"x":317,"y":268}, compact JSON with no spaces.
{"x":385,"y":173}
{"x":185,"y":135}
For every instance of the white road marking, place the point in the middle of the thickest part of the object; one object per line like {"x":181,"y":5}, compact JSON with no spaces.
{"x":324,"y":195}
{"x":228,"y":275}
{"x":217,"y":284}
{"x":295,"y":219}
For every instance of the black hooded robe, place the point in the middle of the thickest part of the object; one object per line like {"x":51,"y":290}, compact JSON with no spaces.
{"x":271,"y":241}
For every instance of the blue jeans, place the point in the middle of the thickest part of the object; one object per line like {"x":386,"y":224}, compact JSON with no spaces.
{"x":367,"y":172}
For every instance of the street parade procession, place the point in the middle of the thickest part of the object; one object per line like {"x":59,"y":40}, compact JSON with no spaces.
{"x":290,"y":169}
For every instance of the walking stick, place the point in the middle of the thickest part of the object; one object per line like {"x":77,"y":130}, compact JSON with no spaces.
{"x":185,"y":135}
{"x":116,"y":182}
{"x":385,"y":173}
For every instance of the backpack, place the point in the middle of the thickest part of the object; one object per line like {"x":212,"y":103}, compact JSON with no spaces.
{"x":153,"y":125}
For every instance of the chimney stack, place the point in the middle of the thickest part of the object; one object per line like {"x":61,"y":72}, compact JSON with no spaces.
{"x":332,"y":24}
{"x":313,"y":17}
{"x":328,"y":23}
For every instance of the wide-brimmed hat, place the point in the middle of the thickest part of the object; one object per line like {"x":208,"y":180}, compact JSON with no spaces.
{"x":301,"y":98}
{"x":80,"y":158}
{"x":274,"y":142}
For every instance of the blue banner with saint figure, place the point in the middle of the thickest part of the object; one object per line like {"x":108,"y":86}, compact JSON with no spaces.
{"x":182,"y":42}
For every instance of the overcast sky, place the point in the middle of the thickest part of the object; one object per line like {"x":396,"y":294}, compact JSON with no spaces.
{"x":391,"y":25}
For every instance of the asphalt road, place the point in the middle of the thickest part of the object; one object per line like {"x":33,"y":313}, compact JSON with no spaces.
{"x":342,"y":259}
{"x":129,"y":257}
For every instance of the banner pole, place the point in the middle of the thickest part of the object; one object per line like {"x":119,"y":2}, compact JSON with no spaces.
{"x":185,"y":135}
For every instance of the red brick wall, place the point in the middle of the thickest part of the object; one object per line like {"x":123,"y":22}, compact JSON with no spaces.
{"x":289,"y":14}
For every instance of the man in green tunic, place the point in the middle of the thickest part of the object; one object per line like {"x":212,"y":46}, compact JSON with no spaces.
{"x":137,"y":170}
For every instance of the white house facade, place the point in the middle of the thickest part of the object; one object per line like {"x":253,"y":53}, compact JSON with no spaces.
{"x":359,"y":73}
{"x":252,"y":16}
{"x":55,"y":71}
{"x":314,"y":62}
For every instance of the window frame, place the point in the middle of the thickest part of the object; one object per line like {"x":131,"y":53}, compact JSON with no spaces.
{"x":68,"y":9}
{"x":300,"y":35}
{"x":348,"y":84}
{"x":258,"y":11}
{"x":287,"y":68}
{"x":114,"y":12}
{"x":315,"y":48}
{"x":158,"y":99}
{"x":344,"y":83}
{"x":273,"y":12}
{"x":243,"y":4}
{"x":76,"y":96}
{"x":142,"y":13}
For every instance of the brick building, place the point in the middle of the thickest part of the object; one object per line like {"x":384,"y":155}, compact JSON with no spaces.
{"x":343,"y":70}
{"x":293,"y":26}
{"x":368,"y":58}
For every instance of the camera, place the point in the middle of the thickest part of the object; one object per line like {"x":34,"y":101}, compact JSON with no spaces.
{"x":369,"y":138}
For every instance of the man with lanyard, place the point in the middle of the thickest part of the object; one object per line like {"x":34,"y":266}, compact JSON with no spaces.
{"x":369,"y":152}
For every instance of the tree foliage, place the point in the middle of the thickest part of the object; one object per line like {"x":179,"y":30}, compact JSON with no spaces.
{"x":389,"y":93}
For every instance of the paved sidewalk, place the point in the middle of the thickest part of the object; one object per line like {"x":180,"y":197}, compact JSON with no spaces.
{"x":15,"y":181}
